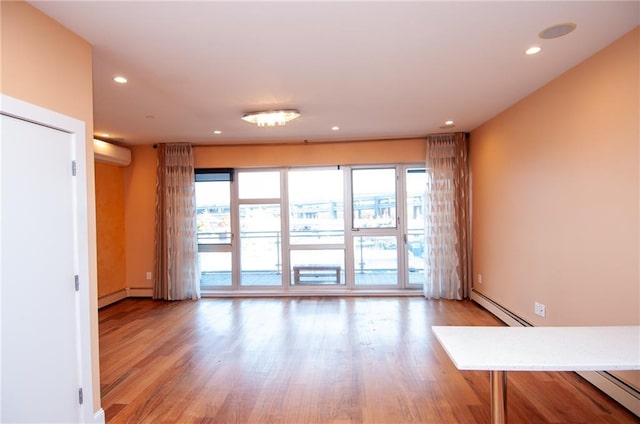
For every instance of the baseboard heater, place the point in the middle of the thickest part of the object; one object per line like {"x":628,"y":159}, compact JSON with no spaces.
{"x":111,"y":298}
{"x":626,"y":395}
{"x":118,"y":295}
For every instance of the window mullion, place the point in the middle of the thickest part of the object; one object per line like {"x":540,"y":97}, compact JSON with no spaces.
{"x":285,"y":239}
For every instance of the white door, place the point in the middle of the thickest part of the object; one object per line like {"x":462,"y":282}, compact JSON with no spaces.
{"x":40,"y":331}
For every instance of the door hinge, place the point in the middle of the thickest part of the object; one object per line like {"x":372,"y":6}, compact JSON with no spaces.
{"x":80,"y":396}
{"x":73,"y":168}
{"x":76,"y":279}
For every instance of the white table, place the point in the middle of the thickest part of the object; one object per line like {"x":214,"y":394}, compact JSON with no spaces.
{"x":502,"y":349}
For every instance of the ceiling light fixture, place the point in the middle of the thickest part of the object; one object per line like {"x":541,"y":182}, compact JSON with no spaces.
{"x":120,"y":80}
{"x":271,"y":118}
{"x":533,"y":50}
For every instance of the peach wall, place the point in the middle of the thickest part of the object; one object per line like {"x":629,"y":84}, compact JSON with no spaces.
{"x":110,"y":228}
{"x":45,"y":64}
{"x":556,"y":192}
{"x":556,"y":189}
{"x":139,"y":215}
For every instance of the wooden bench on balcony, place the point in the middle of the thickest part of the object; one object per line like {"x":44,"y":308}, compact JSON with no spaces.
{"x":316,"y":274}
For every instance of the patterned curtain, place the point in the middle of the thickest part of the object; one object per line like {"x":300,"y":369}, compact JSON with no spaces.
{"x":176,"y":245}
{"x":447,"y":224}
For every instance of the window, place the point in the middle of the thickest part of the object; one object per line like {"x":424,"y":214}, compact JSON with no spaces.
{"x":347,"y":228}
{"x":415,"y":186}
{"x":375,"y":227}
{"x":260,"y":220}
{"x":260,"y":245}
{"x":213,"y":206}
{"x":213,"y":217}
{"x":316,"y":227}
{"x":374,"y":198}
{"x":316,"y":206}
{"x":259,"y":185}
{"x":375,"y":260}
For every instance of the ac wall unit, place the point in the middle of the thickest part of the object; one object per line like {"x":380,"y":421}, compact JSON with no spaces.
{"x":110,"y":153}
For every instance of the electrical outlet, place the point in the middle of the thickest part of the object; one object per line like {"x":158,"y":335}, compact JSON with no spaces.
{"x":479,"y":278}
{"x":149,"y":275}
{"x":540,"y":309}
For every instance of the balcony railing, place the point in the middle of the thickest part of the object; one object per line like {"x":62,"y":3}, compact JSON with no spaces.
{"x":374,"y":257}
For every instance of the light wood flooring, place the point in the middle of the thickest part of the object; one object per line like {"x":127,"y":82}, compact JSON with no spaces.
{"x":314,"y":360}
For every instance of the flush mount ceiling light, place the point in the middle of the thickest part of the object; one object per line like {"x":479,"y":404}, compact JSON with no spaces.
{"x":448,"y":124}
{"x":271,"y":118}
{"x":556,"y":31}
{"x":533,"y":50}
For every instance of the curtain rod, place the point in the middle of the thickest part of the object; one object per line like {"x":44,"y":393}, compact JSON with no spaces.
{"x":155,"y":146}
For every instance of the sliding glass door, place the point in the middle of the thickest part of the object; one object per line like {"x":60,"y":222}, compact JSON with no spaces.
{"x":260,"y":225}
{"x":374,"y":227}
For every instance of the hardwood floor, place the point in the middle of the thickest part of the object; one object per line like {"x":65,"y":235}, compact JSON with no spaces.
{"x":314,"y":360}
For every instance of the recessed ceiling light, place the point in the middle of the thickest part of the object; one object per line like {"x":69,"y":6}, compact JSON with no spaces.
{"x":556,"y":31}
{"x":335,"y":128}
{"x":533,"y":50}
{"x":449,"y":122}
{"x":120,"y":80}
{"x":217,"y":132}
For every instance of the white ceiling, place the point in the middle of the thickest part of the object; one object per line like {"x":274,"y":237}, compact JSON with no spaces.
{"x":375,"y":69}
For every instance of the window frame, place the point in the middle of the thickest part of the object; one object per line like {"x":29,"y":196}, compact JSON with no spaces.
{"x":399,"y":230}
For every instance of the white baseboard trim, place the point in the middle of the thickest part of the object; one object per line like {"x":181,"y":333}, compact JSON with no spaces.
{"x":99,"y":417}
{"x":625,"y":395}
{"x":111,"y":298}
{"x":139,"y":292}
